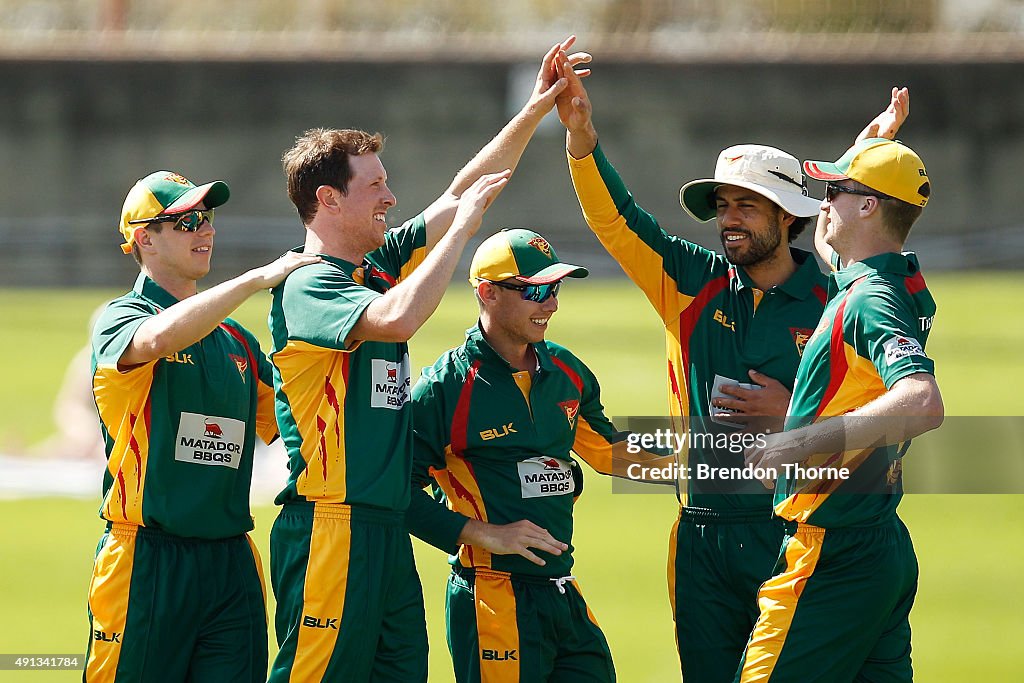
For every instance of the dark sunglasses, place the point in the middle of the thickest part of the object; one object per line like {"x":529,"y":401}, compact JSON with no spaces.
{"x":832,"y":191}
{"x":538,"y":293}
{"x":187,"y":222}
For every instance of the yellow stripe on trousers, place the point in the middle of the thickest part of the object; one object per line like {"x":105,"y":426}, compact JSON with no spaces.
{"x":777,"y":600}
{"x":323,"y":596}
{"x":259,"y":568}
{"x":497,"y":627}
{"x":108,"y":601}
{"x":673,"y":541}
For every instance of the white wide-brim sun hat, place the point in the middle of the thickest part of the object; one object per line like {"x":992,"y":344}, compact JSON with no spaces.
{"x":766,"y":170}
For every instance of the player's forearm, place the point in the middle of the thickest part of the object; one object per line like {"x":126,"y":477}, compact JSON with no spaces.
{"x":910,"y":408}
{"x":396,"y":316}
{"x":189,"y":320}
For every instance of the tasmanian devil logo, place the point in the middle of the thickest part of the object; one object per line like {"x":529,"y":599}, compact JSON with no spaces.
{"x":550,"y":464}
{"x":800,"y":337}
{"x":894,"y":473}
{"x":541,"y":245}
{"x":571,"y":410}
{"x":241,"y":363}
{"x":213,"y":429}
{"x":175,"y":178}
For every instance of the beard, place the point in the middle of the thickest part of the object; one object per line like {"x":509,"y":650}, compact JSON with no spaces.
{"x":759,"y":247}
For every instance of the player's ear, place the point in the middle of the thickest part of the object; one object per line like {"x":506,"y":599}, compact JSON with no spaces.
{"x":486,"y":292}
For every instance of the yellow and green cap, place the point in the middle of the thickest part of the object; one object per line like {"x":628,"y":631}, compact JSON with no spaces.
{"x":887,"y":166}
{"x":521,"y":254}
{"x":166,"y":192}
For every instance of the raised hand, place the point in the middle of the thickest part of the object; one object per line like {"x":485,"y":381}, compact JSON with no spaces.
{"x":550,"y":78}
{"x":888,"y":123}
{"x":474,"y":201}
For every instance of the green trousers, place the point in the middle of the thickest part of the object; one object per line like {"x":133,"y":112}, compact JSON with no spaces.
{"x":165,"y":608}
{"x":510,"y":629}
{"x":349,"y":601}
{"x":717,"y":562}
{"x":837,"y":608}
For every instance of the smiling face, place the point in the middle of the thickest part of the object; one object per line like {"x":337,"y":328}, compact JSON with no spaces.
{"x":365,"y":205}
{"x":514,"y":319}
{"x":753,"y":229}
{"x":177,"y":255}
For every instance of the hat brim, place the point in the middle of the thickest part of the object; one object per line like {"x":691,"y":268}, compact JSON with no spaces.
{"x":697,"y":198}
{"x":211,"y":195}
{"x":824,"y":170}
{"x":554,"y":273}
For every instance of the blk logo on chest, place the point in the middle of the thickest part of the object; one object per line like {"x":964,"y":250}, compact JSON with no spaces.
{"x":180,"y":358}
{"x":103,"y":636}
{"x":497,"y":432}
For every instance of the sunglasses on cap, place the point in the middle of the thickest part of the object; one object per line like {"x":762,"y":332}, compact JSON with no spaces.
{"x":537,"y":293}
{"x":187,"y":222}
{"x":832,"y":191}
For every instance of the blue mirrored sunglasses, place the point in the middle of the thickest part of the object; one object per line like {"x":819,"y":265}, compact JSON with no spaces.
{"x":537,"y":293}
{"x":188,"y":221}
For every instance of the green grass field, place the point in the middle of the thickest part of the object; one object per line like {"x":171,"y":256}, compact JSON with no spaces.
{"x":969,"y":547}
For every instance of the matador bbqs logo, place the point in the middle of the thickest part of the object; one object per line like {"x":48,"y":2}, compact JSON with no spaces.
{"x":544,"y":476}
{"x":209,"y":440}
{"x":390,"y":383}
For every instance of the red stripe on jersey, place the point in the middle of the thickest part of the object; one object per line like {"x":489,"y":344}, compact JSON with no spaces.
{"x":691,"y":316}
{"x":675,"y":388}
{"x":915,"y":283}
{"x":837,"y":355}
{"x":460,"y":419}
{"x":377,"y":272}
{"x":248,"y":351}
{"x":576,"y":379}
{"x":819,"y":291}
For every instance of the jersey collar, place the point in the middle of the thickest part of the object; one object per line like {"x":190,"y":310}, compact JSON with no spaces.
{"x":147,"y":288}
{"x":799,"y":285}
{"x":478,"y":347}
{"x":905,"y":264}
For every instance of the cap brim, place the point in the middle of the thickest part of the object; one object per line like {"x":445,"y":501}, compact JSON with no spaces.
{"x":697,"y":198}
{"x":553,"y":273}
{"x":211,"y":195}
{"x":824,"y":170}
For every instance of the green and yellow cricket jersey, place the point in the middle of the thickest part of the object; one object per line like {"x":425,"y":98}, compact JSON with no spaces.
{"x":717,"y":322}
{"x":872,"y":335}
{"x":342,"y":405}
{"x":179,"y":431}
{"x":494,"y":444}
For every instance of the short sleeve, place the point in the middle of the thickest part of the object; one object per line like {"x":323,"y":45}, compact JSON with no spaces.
{"x":322,"y":304}
{"x":887,"y":333}
{"x":116,"y":327}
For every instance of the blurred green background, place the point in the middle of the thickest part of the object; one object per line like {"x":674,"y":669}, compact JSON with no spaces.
{"x":968,"y":545}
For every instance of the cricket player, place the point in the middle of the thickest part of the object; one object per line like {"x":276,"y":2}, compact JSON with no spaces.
{"x":837,"y":608}
{"x":495,"y":420}
{"x":349,"y":599}
{"x":736,"y":324}
{"x":182,"y":393}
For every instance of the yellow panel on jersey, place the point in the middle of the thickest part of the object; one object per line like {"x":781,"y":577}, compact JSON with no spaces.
{"x":415,"y":259}
{"x":108,"y":601}
{"x":266,"y":418}
{"x":314,"y":380}
{"x":460,"y":487}
{"x":595,"y":448}
{"x":330,"y":546}
{"x":497,"y":626}
{"x":777,"y":600}
{"x":860,"y":385}
{"x":642,"y":263}
{"x":122,"y":401}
